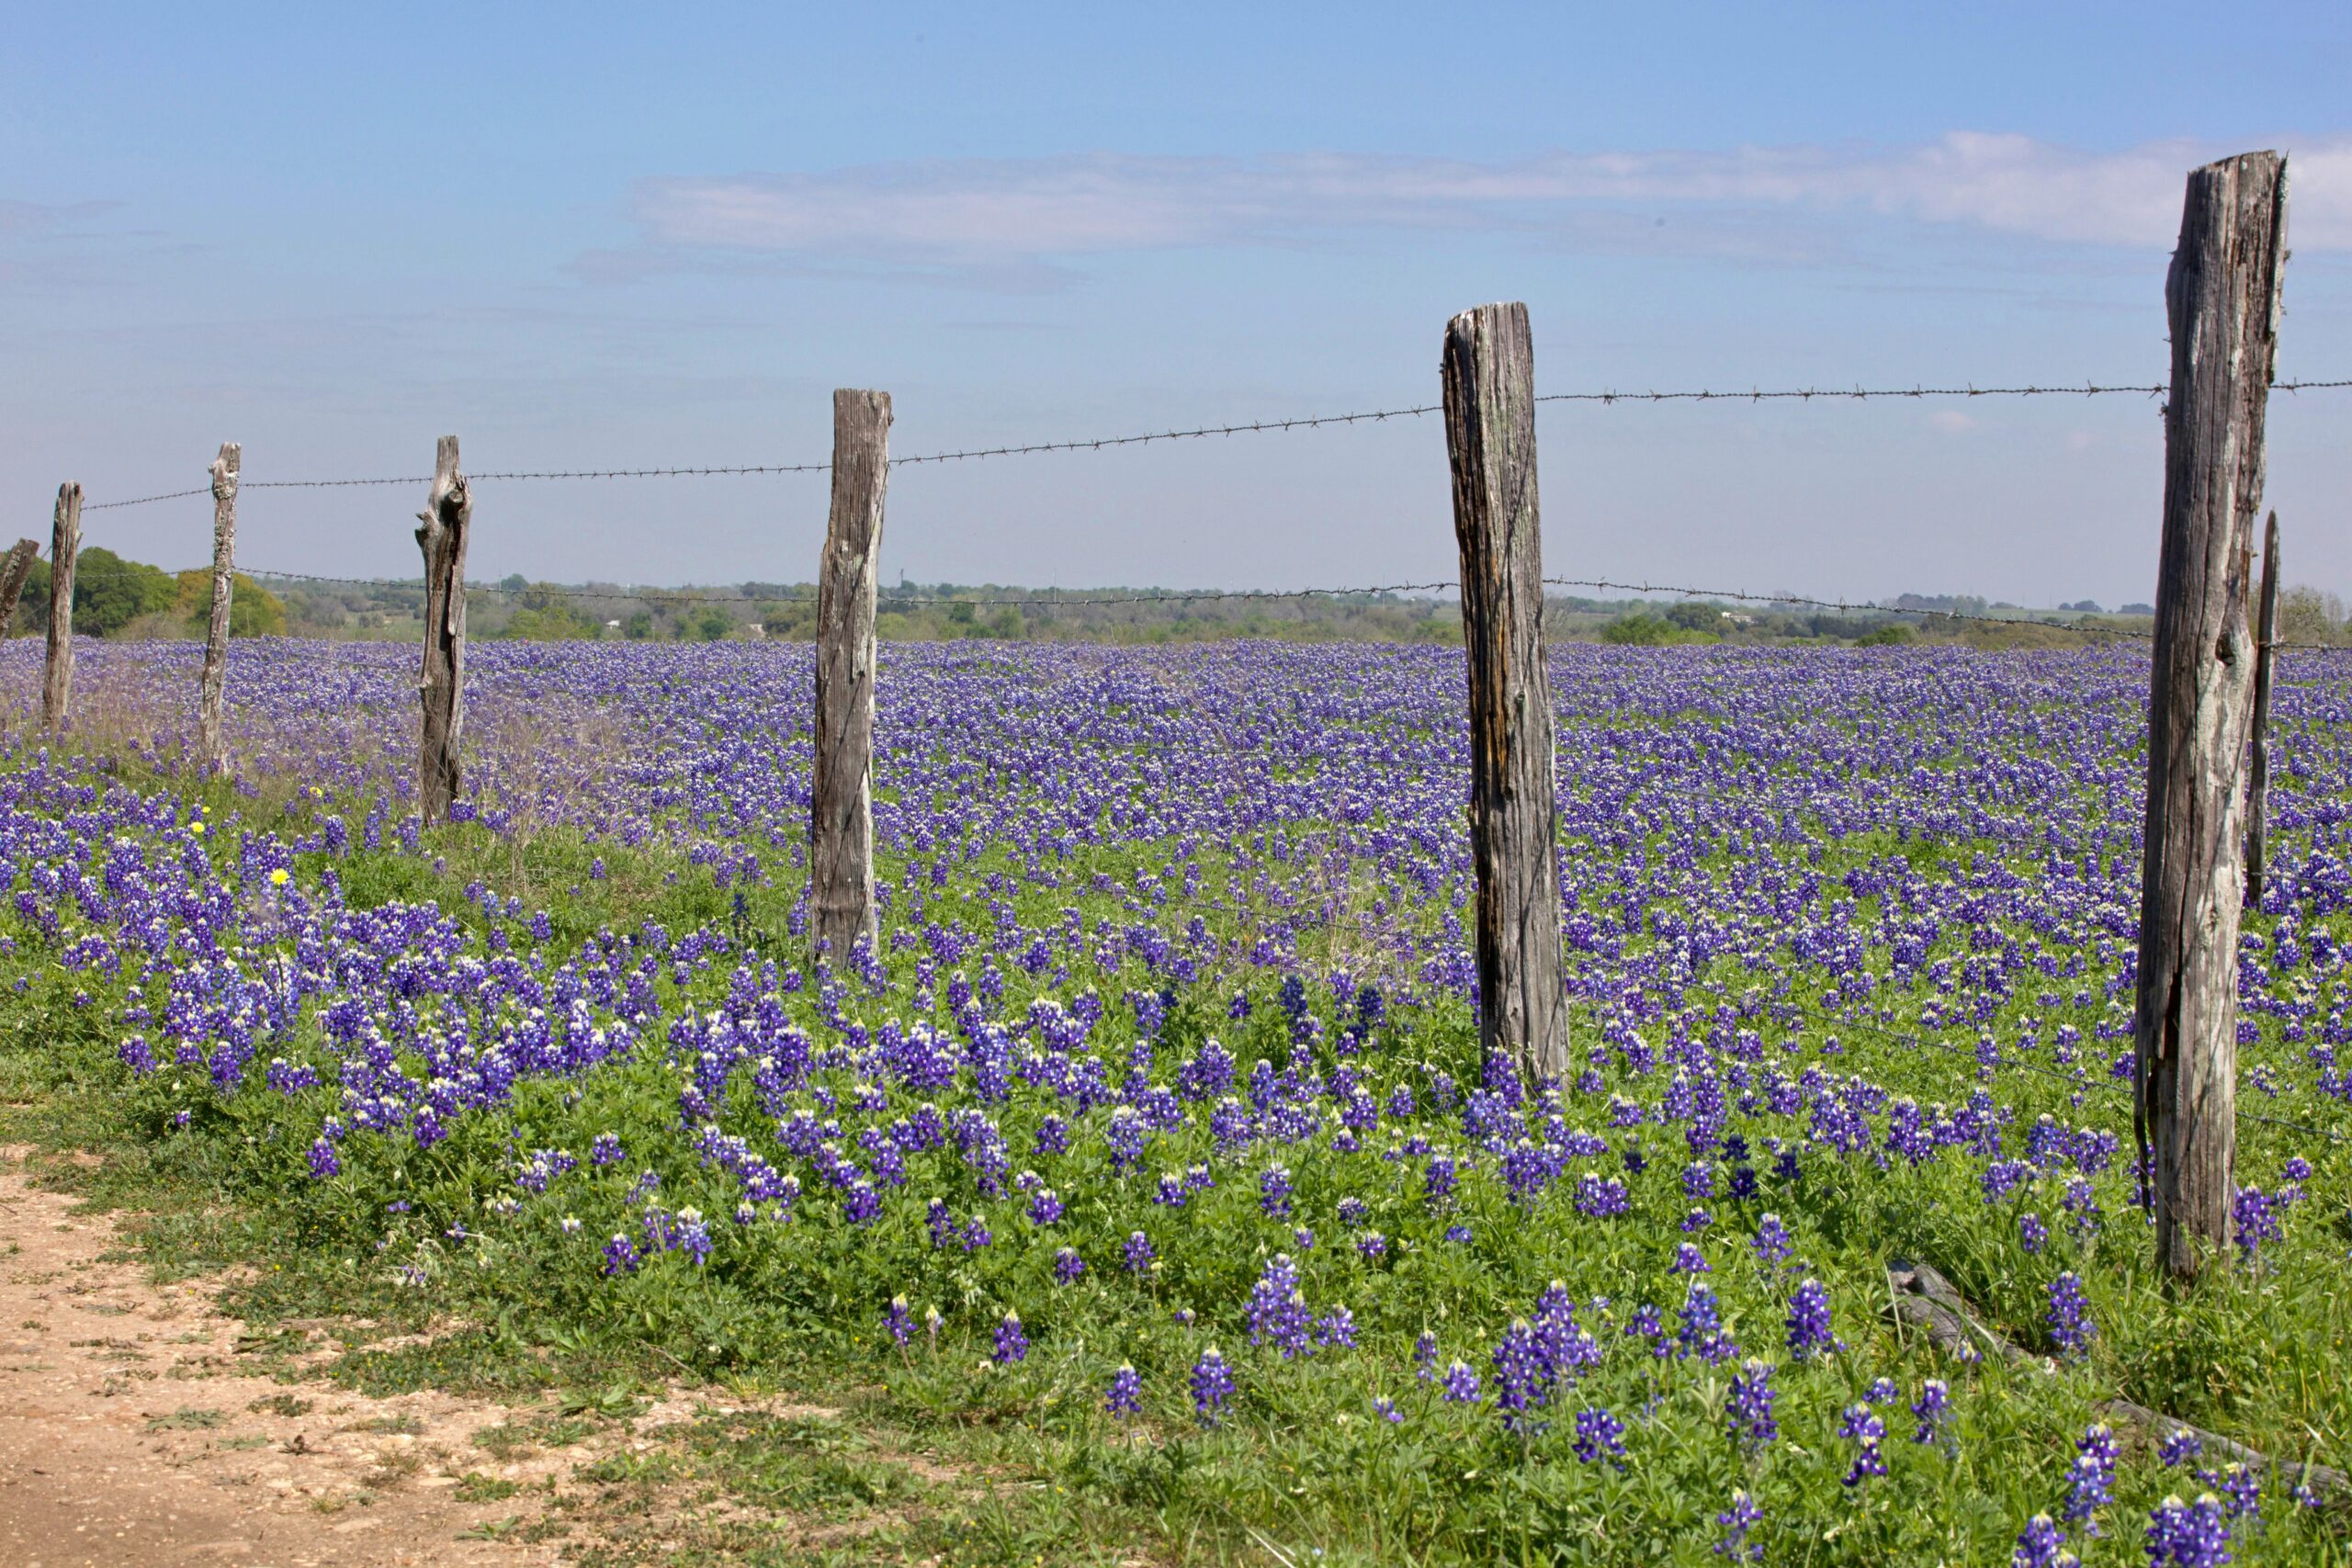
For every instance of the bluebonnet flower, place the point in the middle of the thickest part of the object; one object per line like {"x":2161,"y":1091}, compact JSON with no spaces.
{"x":1012,"y":1345}
{"x":1126,"y":1396}
{"x":898,"y":1321}
{"x":1600,"y":1436}
{"x":1735,"y":1522}
{"x":1748,"y":1410}
{"x":2188,"y":1535}
{"x":2032,"y":1234}
{"x":1933,"y":1408}
{"x":1275,"y":1191}
{"x":1461,"y":1383}
{"x":1808,"y":1322}
{"x":2241,"y":1491}
{"x":605,"y":1149}
{"x":2071,"y":1329}
{"x":620,"y":1255}
{"x":1068,"y":1267}
{"x":1865,"y":1430}
{"x":1386,"y":1410}
{"x":1139,"y":1254}
{"x":1045,"y":1207}
{"x":1211,"y":1386}
{"x":693,"y":1237}
{"x":325,"y":1161}
{"x":1771,"y":1242}
{"x":1689,"y":1259}
{"x":2090,"y":1484}
{"x":2256,"y":1216}
{"x":2179,"y":1447}
{"x":2041,"y":1544}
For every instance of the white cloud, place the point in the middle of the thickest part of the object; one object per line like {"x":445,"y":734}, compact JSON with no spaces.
{"x":1952,"y":422}
{"x":1015,"y":213}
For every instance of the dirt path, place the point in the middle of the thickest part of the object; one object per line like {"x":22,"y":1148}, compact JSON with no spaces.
{"x":133,"y":1432}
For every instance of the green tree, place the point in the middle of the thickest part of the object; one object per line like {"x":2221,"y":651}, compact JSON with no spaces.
{"x":710,"y":623}
{"x":1639,"y":629}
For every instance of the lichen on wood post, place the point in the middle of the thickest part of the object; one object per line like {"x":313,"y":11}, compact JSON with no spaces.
{"x":14,"y":571}
{"x":447,"y":524}
{"x":841,"y":811}
{"x":64,"y":554}
{"x":213,"y":683}
{"x":1488,"y":370}
{"x":2222,"y":298}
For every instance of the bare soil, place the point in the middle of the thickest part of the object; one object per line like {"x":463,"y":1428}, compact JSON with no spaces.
{"x":132,"y":1429}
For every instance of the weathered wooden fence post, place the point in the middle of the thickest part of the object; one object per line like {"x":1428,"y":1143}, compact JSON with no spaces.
{"x":447,"y":520}
{"x":2222,"y":298}
{"x":215,"y":680}
{"x":1489,"y":378}
{"x":2258,"y":788}
{"x":841,"y":811}
{"x":64,"y":553}
{"x":13,"y":573}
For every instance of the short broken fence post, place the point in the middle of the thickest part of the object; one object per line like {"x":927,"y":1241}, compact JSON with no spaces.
{"x":214,"y":683}
{"x":14,"y":571}
{"x":2222,"y":298}
{"x":447,"y":524}
{"x":2258,"y":788}
{"x":1488,"y":371}
{"x":64,"y":554}
{"x":841,"y":809}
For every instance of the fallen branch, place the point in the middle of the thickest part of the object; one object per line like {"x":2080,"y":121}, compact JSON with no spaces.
{"x":1923,"y":1299}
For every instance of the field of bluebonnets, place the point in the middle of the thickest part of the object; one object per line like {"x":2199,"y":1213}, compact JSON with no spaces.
{"x":1151,"y":1150}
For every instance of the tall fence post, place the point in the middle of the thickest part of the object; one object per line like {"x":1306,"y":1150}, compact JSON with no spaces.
{"x":1488,"y":371}
{"x":2221,"y":299}
{"x":13,"y":573}
{"x":841,"y":811}
{"x":216,"y":635}
{"x":64,"y":553}
{"x":2258,"y":788}
{"x":447,"y":520}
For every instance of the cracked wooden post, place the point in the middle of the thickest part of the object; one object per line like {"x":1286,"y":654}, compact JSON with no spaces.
{"x":214,"y":683}
{"x":13,"y":573}
{"x":64,"y":553}
{"x":447,"y":520}
{"x":840,"y":810}
{"x":2258,"y":788}
{"x":1488,"y":370}
{"x":2222,"y":298}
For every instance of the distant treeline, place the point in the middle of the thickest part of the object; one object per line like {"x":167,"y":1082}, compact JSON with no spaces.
{"x":114,"y":597}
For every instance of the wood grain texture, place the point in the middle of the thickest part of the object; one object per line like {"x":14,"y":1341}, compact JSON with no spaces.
{"x":2258,"y":786}
{"x":17,"y":567}
{"x":2221,"y":299}
{"x":64,"y":554}
{"x":212,"y":685}
{"x":1488,"y":370}
{"x":447,"y":525}
{"x":840,"y":810}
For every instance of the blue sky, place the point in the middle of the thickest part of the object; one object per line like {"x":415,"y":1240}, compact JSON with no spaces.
{"x":588,"y":236}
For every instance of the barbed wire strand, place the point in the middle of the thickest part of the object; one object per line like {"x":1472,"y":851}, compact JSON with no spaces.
{"x":1096,"y":444}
